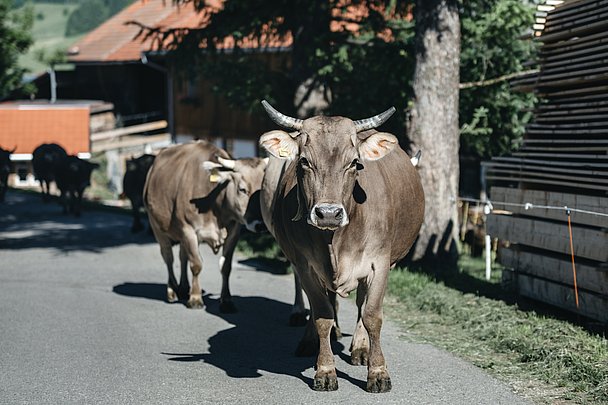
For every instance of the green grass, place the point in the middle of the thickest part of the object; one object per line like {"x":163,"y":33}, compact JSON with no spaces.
{"x":48,"y":33}
{"x":262,"y":250}
{"x":544,"y":358}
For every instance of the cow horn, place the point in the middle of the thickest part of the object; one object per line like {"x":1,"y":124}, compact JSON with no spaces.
{"x":375,"y":121}
{"x":227,"y":163}
{"x":282,"y":119}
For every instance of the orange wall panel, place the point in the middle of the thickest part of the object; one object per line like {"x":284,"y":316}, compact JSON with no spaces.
{"x":28,"y":128}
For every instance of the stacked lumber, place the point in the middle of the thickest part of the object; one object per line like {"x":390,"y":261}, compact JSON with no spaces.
{"x":563,"y":161}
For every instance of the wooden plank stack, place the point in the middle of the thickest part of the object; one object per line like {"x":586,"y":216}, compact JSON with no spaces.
{"x":563,"y":161}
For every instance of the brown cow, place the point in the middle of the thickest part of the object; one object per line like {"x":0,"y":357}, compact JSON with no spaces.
{"x":346,"y":207}
{"x":195,"y":193}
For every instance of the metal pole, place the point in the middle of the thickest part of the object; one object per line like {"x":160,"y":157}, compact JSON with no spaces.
{"x":53,"y":80}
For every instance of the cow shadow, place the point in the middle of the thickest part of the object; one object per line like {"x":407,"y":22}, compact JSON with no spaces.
{"x":26,"y":222}
{"x":259,"y":340}
{"x":151,"y":291}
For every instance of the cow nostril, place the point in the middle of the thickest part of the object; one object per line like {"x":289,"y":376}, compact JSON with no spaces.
{"x":338,"y":213}
{"x":319,"y":213}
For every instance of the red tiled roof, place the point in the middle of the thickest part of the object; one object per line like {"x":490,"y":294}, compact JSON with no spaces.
{"x":114,"y":41}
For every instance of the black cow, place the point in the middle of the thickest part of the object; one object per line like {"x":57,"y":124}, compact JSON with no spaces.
{"x":46,"y":160}
{"x":133,"y":186}
{"x":5,"y":169}
{"x":73,"y":175}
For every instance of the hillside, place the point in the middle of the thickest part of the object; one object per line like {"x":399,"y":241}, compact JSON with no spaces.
{"x":50,"y":21}
{"x":53,"y":18}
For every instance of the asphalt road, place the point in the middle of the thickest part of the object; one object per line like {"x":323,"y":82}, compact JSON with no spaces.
{"x":83,"y":320}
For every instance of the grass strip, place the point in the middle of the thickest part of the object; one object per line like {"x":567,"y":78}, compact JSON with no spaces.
{"x":543,"y":358}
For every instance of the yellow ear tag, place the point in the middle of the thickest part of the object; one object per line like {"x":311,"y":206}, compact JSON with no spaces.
{"x":283,"y":152}
{"x":214,"y":177}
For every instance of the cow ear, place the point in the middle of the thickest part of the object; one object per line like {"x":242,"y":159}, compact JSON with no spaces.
{"x":377,"y":145}
{"x":216,"y":175}
{"x":280,"y":144}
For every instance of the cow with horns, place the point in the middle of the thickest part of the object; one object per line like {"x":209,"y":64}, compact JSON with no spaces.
{"x":345,"y":204}
{"x":195,"y":193}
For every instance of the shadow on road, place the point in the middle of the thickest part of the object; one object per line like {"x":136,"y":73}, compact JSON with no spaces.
{"x":26,"y":222}
{"x":260,"y":341}
{"x":152,"y":291}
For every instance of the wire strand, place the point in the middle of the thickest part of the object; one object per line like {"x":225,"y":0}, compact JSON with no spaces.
{"x":528,"y":206}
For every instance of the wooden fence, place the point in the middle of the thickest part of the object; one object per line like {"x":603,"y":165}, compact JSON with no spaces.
{"x":563,"y":162}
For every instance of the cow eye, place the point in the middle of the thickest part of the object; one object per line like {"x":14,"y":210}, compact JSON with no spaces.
{"x":304,"y":162}
{"x":242,"y":190}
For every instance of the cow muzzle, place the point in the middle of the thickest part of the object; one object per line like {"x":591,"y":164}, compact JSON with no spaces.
{"x":328,"y":216}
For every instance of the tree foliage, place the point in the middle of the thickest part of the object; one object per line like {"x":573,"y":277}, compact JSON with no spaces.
{"x":364,"y":72}
{"x":15,"y":39}
{"x":492,"y":117}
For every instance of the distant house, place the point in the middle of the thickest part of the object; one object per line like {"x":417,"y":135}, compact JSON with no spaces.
{"x":114,"y":65}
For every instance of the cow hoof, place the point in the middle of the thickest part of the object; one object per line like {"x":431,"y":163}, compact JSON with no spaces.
{"x":325,"y":381}
{"x":171,"y":296}
{"x":228,"y":307}
{"x":307,"y":349}
{"x":195,"y":303}
{"x":379,"y":382}
{"x":298,"y":319}
{"x":358,"y":357}
{"x":182,"y":294}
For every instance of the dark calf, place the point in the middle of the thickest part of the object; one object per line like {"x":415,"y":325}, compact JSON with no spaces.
{"x":46,"y":160}
{"x":133,"y":186}
{"x":73,"y":176}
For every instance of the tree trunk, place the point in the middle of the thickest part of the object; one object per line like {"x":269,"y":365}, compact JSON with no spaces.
{"x":434,"y":128}
{"x":310,"y":27}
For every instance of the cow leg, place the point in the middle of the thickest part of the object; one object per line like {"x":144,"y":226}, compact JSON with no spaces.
{"x":323,"y":315}
{"x":359,"y":347}
{"x":77,"y":203}
{"x":226,"y":304}
{"x":63,"y":201}
{"x":378,"y":379}
{"x":298,"y":311}
{"x":190,"y":245}
{"x":336,"y":333}
{"x":45,"y":192}
{"x":184,"y":286}
{"x":166,"y":252}
{"x":136,"y":225}
{"x":309,"y":344}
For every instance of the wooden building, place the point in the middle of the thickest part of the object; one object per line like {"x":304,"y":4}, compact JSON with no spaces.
{"x":563,"y":162}
{"x":112,"y":63}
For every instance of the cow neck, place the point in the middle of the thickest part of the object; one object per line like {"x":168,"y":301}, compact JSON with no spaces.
{"x":220,"y":207}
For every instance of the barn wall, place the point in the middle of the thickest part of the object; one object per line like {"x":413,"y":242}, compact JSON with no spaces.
{"x":563,"y":162}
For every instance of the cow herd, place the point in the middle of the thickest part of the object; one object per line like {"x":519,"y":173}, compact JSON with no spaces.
{"x":343,"y":201}
{"x":51,"y":163}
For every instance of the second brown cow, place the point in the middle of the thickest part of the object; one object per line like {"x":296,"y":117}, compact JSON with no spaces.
{"x":195,"y":193}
